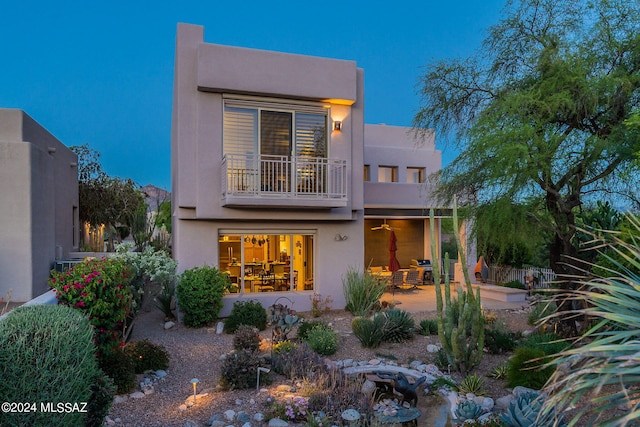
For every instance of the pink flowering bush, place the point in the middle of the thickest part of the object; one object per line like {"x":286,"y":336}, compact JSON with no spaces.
{"x":100,"y":289}
{"x":294,"y":409}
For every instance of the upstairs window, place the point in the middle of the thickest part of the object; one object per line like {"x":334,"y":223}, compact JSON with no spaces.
{"x":268,"y":128}
{"x":387,"y":174}
{"x":415,"y":175}
{"x":367,"y":173}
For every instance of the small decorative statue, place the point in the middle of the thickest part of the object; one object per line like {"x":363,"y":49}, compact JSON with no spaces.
{"x":401,"y":385}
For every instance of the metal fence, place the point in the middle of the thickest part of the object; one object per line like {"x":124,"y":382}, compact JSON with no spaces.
{"x":501,"y":274}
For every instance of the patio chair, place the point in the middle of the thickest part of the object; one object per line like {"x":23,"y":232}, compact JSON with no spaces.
{"x":397,"y":280}
{"x":413,"y":279}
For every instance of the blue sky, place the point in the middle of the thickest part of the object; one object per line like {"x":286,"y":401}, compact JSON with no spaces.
{"x":102,"y":72}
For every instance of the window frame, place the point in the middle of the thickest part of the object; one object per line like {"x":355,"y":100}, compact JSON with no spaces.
{"x":392,"y":169}
{"x":421,"y":174}
{"x":279,"y":106}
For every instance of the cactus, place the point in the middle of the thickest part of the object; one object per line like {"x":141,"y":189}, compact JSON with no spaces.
{"x":283,"y":319}
{"x":461,"y":328}
{"x":524,"y":411}
{"x":468,"y":410}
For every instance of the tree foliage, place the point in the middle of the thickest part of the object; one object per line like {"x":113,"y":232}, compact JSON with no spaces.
{"x":103,"y":199}
{"x":544,"y":117}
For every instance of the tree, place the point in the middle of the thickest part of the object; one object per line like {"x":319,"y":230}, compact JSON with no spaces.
{"x":104,"y":199}
{"x":541,"y":116}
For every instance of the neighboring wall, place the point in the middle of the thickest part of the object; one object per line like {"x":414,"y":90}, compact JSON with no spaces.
{"x":38,"y":204}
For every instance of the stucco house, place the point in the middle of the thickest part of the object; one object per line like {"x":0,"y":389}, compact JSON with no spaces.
{"x":38,"y":204}
{"x":277,"y":180}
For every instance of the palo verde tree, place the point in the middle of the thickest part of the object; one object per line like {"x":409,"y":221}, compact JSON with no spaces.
{"x":541,"y":117}
{"x":104,"y":199}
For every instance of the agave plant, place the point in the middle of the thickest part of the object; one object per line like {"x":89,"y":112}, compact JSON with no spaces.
{"x":399,"y":326}
{"x":606,"y":368}
{"x":525,"y":411}
{"x":499,"y":372}
{"x":468,"y":410}
{"x":473,"y":384}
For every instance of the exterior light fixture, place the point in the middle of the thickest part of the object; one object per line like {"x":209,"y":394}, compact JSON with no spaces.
{"x":341,"y":237}
{"x":337,"y":125}
{"x":261,"y":369}
{"x":195,"y":382}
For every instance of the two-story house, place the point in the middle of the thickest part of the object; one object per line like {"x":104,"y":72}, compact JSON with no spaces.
{"x":267,"y":160}
{"x":268,"y":154}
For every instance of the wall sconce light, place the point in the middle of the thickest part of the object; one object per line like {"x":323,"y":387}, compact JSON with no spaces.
{"x":337,"y":125}
{"x":341,"y":237}
{"x":51,"y":150}
{"x":73,"y":164}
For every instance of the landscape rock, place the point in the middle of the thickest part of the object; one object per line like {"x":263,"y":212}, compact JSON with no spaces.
{"x":277,"y":422}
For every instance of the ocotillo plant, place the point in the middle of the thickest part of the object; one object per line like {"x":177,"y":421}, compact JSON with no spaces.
{"x":461,"y":325}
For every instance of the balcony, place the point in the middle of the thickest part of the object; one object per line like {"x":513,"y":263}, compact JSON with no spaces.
{"x":255,"y":180}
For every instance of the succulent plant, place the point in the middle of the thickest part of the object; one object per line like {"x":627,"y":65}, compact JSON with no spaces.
{"x":523,"y":412}
{"x":369,"y":330}
{"x":468,"y":410}
{"x":283,"y":320}
{"x":472,"y":384}
{"x":399,"y":326}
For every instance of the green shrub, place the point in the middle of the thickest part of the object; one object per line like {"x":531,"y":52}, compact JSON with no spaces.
{"x":428,"y":327}
{"x":100,"y":289}
{"x":146,"y":356}
{"x":526,"y":369}
{"x":246,"y":338}
{"x":306,"y":326}
{"x":399,"y":325}
{"x":362,"y":291}
{"x":323,"y":341}
{"x":47,"y":352}
{"x":102,"y":391}
{"x":120,"y":368}
{"x":498,"y":340}
{"x":550,"y":343}
{"x":369,"y":331}
{"x":250,"y":313}
{"x":199,"y":293}
{"x":240,"y":370}
{"x":514,"y":284}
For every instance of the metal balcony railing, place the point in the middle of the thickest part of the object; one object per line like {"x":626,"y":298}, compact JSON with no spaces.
{"x":289,"y":178}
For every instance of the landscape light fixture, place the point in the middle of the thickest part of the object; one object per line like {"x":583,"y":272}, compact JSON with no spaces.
{"x":261,"y":369}
{"x":195,"y":382}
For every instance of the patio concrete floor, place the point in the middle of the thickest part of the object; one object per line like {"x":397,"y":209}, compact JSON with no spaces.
{"x":424,"y":299}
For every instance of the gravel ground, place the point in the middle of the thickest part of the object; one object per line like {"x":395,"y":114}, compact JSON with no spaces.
{"x":195,"y":353}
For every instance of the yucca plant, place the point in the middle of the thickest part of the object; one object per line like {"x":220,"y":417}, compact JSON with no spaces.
{"x":473,"y":384}
{"x":604,"y":366}
{"x":362,"y":291}
{"x":399,"y":326}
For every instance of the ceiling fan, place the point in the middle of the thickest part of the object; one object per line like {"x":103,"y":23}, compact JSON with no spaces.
{"x":383,"y":226}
